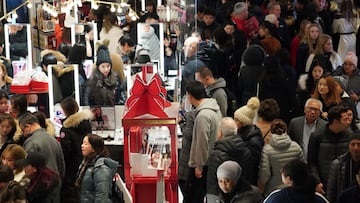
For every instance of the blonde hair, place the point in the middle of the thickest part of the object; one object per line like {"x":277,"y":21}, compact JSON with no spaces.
{"x":307,"y":39}
{"x":322,"y":40}
{"x":17,"y":153}
{"x":301,"y":34}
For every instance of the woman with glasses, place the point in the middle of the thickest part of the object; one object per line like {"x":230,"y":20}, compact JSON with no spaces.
{"x":350,"y":69}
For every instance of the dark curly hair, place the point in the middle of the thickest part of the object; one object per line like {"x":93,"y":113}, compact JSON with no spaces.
{"x":269,"y":110}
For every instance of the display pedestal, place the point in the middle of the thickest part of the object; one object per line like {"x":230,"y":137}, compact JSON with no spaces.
{"x":143,"y":145}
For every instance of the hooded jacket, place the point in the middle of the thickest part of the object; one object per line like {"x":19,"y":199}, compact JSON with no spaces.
{"x":274,"y":156}
{"x":254,"y":141}
{"x":250,"y":74}
{"x":97,"y":181}
{"x":228,"y":148}
{"x":75,"y":128}
{"x":207,"y":118}
{"x":217,"y":92}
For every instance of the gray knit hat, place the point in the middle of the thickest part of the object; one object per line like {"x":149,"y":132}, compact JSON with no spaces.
{"x":229,"y":169}
{"x":343,"y":81}
{"x":103,"y":55}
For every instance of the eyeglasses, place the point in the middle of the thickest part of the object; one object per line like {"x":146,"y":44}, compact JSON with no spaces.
{"x":312,"y":109}
{"x":348,"y":64}
{"x":23,"y":128}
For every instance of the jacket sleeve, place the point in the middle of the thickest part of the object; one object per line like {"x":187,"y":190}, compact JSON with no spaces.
{"x":200,"y":142}
{"x":332,"y":190}
{"x":119,"y":93}
{"x":221,"y":99}
{"x":66,"y":142}
{"x":102,"y":181}
{"x":264,"y":169}
{"x":313,"y":151}
{"x":291,"y":131}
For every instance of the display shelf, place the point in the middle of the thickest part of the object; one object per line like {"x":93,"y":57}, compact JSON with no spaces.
{"x":143,"y":152}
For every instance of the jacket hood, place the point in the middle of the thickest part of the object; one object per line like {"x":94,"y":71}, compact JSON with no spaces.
{"x":209,"y":104}
{"x":249,"y":131}
{"x":219,"y":83}
{"x":75,"y":119}
{"x":254,"y":55}
{"x":280,"y":141}
{"x":50,"y":128}
{"x":58,"y":55}
{"x":60,"y":70}
{"x":108,"y":162}
{"x":231,"y":145}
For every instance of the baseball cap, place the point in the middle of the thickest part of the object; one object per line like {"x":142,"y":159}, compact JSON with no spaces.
{"x":35,"y":159}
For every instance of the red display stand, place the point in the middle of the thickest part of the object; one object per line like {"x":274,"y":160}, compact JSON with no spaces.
{"x":150,"y":143}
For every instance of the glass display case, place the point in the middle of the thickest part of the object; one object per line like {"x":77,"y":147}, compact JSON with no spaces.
{"x":150,"y":154}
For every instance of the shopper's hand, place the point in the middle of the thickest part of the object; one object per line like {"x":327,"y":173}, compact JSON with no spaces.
{"x":198,"y":173}
{"x":320,"y":188}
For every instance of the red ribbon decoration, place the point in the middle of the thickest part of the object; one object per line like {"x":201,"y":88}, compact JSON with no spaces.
{"x":147,"y":98}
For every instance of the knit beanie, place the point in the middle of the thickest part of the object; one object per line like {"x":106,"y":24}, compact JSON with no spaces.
{"x":254,"y":55}
{"x":246,"y":114}
{"x":229,"y":169}
{"x":103,"y":55}
{"x":354,"y":136}
{"x":351,"y":57}
{"x":343,"y":81}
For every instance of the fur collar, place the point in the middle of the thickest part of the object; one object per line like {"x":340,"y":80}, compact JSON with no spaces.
{"x":75,"y":119}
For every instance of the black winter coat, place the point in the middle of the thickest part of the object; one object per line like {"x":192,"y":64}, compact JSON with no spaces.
{"x":324,"y":147}
{"x":74,"y":129}
{"x":254,"y":141}
{"x":342,"y":174}
{"x":228,"y":148}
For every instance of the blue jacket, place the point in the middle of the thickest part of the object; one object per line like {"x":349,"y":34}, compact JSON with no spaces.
{"x":97,"y":181}
{"x":292,"y":195}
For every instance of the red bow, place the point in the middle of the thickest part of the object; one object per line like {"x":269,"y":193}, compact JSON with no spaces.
{"x":147,"y":98}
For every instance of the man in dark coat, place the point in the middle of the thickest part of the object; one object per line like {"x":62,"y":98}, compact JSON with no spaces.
{"x":229,"y":146}
{"x":76,"y":126}
{"x":329,"y":142}
{"x":344,"y":169}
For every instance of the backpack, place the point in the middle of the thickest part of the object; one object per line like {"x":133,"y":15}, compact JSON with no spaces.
{"x":231,"y":101}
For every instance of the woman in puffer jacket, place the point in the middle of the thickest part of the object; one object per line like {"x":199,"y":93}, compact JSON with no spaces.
{"x":96,"y":171}
{"x":279,"y":151}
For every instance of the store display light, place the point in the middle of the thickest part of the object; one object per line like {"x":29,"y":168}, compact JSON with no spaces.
{"x":119,"y":10}
{"x":112,"y":9}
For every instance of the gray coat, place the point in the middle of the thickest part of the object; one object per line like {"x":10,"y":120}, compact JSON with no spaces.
{"x":274,"y":156}
{"x":207,"y":119}
{"x":217,"y":92}
{"x":41,"y":141}
{"x":97,"y":181}
{"x":296,"y":128}
{"x":184,"y":155}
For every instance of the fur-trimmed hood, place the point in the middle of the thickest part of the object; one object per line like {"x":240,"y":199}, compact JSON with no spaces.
{"x":75,"y":119}
{"x":50,"y":128}
{"x":58,"y":55}
{"x":60,"y":70}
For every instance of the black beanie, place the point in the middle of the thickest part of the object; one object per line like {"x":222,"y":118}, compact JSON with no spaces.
{"x":103,"y":55}
{"x":354,"y":136}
